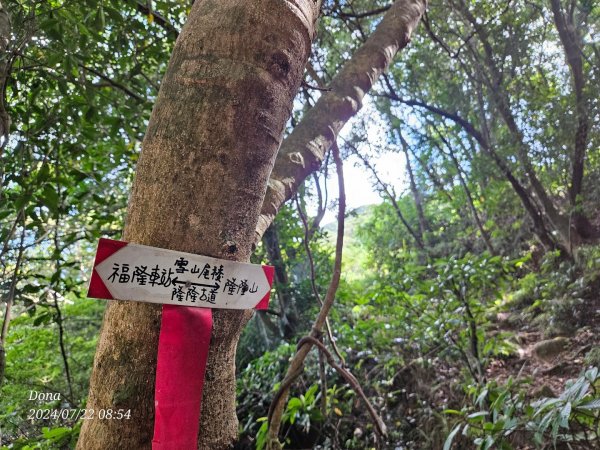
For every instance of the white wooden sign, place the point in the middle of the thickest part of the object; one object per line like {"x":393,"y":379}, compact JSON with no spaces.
{"x":124,"y":271}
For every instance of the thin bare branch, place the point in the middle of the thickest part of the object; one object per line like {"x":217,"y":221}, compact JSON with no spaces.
{"x":296,"y":366}
{"x":313,"y":277}
{"x":373,"y":12}
{"x":145,"y":9}
{"x":351,"y":379}
{"x":113,"y":83}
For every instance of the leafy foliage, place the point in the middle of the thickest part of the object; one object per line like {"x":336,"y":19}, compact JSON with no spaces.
{"x":485,"y":108}
{"x":576,"y":412}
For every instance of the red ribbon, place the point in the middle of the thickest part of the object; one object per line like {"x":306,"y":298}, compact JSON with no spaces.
{"x":182,"y":353}
{"x":183,"y":346}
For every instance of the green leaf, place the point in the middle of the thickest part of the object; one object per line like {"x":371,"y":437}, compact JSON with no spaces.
{"x":452,"y":411}
{"x":42,"y":319}
{"x":481,"y":396}
{"x":477,"y":416}
{"x":489,"y":441}
{"x":90,"y":113}
{"x":565,"y":413}
{"x":294,"y":404}
{"x":99,"y":21}
{"x":592,"y":374}
{"x":113,"y":13}
{"x":43,"y":174}
{"x":309,"y":397}
{"x":450,"y":438}
{"x":593,"y":404}
{"x":55,"y":433}
{"x":50,"y":197}
{"x":545,"y":404}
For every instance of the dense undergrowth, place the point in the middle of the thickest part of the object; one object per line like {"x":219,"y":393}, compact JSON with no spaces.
{"x":436,"y":347}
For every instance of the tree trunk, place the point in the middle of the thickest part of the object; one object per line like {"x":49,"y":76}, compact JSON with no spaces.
{"x":571,"y":39}
{"x":391,"y":195}
{"x":501,"y":100}
{"x":423,"y":224}
{"x":5,"y":37}
{"x":304,"y":149}
{"x":200,"y":183}
{"x":289,"y":318}
{"x":484,"y":233}
{"x":538,"y":222}
{"x":437,"y":183}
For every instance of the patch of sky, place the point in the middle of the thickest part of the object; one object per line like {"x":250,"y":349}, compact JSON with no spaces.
{"x":360,"y":187}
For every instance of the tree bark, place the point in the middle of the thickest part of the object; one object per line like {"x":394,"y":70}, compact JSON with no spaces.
{"x":304,"y":149}
{"x":200,"y":183}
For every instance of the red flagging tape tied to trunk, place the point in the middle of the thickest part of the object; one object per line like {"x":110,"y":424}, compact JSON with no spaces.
{"x":182,"y":354}
{"x":189,"y":286}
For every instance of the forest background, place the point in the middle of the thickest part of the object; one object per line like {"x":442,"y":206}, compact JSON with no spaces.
{"x":468,"y":309}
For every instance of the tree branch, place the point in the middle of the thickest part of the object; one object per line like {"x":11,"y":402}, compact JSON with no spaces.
{"x":373,"y":12}
{"x":303,"y":151}
{"x":313,"y":278}
{"x":297,"y":363}
{"x":158,"y":19}
{"x":520,"y":190}
{"x":350,"y":379}
{"x":391,"y":196}
{"x":501,"y":99}
{"x":113,"y":83}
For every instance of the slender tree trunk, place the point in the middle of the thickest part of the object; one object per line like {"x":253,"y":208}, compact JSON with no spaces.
{"x":200,"y":183}
{"x":9,"y":302}
{"x":484,"y":233}
{"x":423,"y":224}
{"x":5,"y":37}
{"x":432,"y":176}
{"x":501,"y":100}
{"x":288,"y":319}
{"x":572,"y":42}
{"x":304,"y":149}
{"x":539,"y":226}
{"x":265,"y":323}
{"x":321,"y":206}
{"x":391,"y":195}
